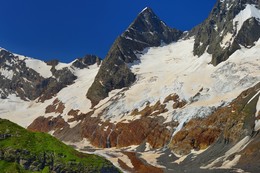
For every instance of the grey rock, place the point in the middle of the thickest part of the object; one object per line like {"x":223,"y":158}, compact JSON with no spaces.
{"x":209,"y":34}
{"x":86,"y":61}
{"x":147,"y":30}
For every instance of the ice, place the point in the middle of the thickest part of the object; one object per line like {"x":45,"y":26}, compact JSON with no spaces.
{"x":169,"y":69}
{"x":74,"y":95}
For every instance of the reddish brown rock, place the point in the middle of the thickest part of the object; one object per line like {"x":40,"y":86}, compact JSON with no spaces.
{"x":43,"y":124}
{"x":233,"y":122}
{"x":56,"y":107}
{"x":151,"y":110}
{"x":178,"y":103}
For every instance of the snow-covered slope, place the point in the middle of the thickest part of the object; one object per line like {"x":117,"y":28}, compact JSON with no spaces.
{"x":39,"y":66}
{"x":176,"y":88}
{"x":73,"y":97}
{"x":173,"y":69}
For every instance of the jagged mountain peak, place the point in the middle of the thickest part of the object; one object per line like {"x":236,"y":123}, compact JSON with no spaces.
{"x":148,"y":14}
{"x":147,"y":21}
{"x":146,"y":10}
{"x":239,"y":2}
{"x":147,"y":30}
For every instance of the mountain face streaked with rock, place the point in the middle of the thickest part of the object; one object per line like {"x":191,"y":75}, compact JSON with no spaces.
{"x":226,"y":29}
{"x":146,"y":31}
{"x":162,"y":100}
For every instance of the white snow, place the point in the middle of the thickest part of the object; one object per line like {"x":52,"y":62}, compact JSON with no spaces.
{"x":151,"y":158}
{"x":257,"y":94}
{"x":227,"y":164}
{"x":20,"y":111}
{"x":249,"y":12}
{"x":8,"y":74}
{"x":61,"y":65}
{"x":74,"y":96}
{"x":143,"y":10}
{"x":257,"y":122}
{"x":170,"y":69}
{"x":39,"y":66}
{"x":227,"y":40}
{"x":161,"y":71}
{"x":73,"y":124}
{"x":231,"y":163}
{"x":194,"y":154}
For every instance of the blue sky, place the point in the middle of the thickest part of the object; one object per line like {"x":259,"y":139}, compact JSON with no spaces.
{"x":66,"y":29}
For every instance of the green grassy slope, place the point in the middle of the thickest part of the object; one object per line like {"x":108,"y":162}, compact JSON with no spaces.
{"x":24,"y":151}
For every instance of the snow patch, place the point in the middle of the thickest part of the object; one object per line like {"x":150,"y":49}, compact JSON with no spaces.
{"x":227,"y":40}
{"x":227,"y":164}
{"x":8,"y":74}
{"x":61,"y":65}
{"x":39,"y":66}
{"x":257,"y":122}
{"x":257,"y":94}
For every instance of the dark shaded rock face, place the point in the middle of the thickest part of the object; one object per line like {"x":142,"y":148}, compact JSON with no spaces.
{"x":146,"y":31}
{"x":25,"y":82}
{"x":86,"y":61}
{"x":28,"y":84}
{"x":249,"y":33}
{"x":210,"y":35}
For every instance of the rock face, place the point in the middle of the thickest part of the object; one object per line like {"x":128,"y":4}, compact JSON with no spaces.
{"x":220,"y":34}
{"x":28,"y":84}
{"x":151,"y":128}
{"x":86,"y":61}
{"x":174,"y":103}
{"x":146,"y":31}
{"x":227,"y":125}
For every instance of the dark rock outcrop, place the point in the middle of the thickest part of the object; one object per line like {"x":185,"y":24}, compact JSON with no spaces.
{"x":146,"y":31}
{"x":210,"y":35}
{"x":86,"y":61}
{"x":28,"y":84}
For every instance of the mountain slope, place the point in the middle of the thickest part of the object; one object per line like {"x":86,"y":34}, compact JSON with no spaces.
{"x":28,"y":94}
{"x":230,"y":25}
{"x":32,"y":79}
{"x":193,"y":99}
{"x":146,"y":31}
{"x":37,"y":151}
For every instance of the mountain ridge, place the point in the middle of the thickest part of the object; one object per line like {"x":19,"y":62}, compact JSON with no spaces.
{"x":114,"y":72}
{"x":166,"y":104}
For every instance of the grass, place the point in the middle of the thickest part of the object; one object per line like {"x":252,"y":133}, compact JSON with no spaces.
{"x":39,"y":143}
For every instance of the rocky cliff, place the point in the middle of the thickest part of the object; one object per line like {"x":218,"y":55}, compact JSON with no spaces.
{"x":32,"y":79}
{"x":190,"y":104}
{"x":147,"y":30}
{"x":230,"y":25}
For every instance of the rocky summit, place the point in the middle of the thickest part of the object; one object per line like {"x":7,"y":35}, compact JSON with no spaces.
{"x":162,"y":100}
{"x":146,"y":31}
